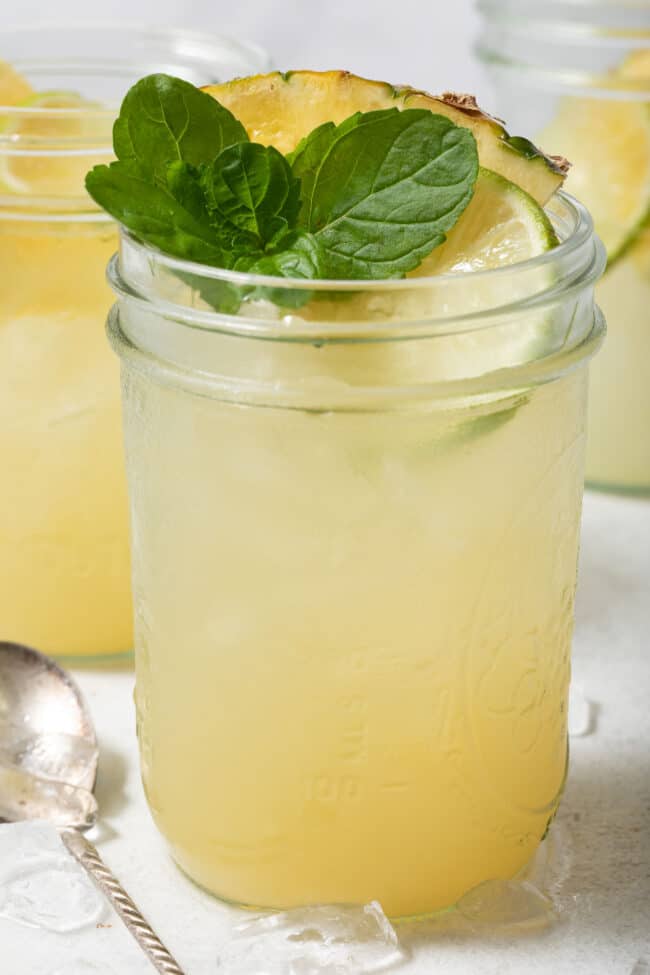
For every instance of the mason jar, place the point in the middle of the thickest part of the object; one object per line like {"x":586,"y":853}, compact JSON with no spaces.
{"x":64,"y":566}
{"x":575,"y":75}
{"x":354,"y":520}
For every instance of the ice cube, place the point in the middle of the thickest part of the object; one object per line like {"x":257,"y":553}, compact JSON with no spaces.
{"x":499,"y":904}
{"x":40,"y":884}
{"x":52,"y":893}
{"x":582,"y":713}
{"x":27,"y":796}
{"x":25,"y":841}
{"x":551,"y":866}
{"x":320,"y":940}
{"x":83,"y":947}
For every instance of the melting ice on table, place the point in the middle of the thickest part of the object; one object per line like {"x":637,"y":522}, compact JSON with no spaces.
{"x":320,"y":940}
{"x":40,"y":884}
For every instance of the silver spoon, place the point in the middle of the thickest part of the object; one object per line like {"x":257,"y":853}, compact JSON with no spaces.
{"x":48,"y":767}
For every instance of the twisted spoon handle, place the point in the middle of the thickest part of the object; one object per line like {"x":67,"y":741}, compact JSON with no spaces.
{"x":85,"y":853}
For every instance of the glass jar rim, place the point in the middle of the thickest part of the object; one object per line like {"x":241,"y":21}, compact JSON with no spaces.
{"x":99,"y":60}
{"x":171,"y":36}
{"x":574,"y":264}
{"x":523,"y":8}
{"x":200,"y":44}
{"x":556,"y":31}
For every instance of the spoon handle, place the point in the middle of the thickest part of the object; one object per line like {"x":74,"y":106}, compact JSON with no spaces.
{"x":85,"y":853}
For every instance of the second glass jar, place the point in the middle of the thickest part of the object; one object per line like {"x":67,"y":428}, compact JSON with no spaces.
{"x":64,"y":560}
{"x":575,"y":77}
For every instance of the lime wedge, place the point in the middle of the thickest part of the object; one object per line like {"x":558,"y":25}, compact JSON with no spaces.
{"x":502,"y":225}
{"x":608,"y":143}
{"x":636,"y":66}
{"x":13,"y":87}
{"x":60,"y":135}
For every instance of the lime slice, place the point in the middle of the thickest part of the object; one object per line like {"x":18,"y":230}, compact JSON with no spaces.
{"x":502,"y":225}
{"x":60,"y":135}
{"x":280,"y":109}
{"x":636,"y":66}
{"x":13,"y":87}
{"x":608,"y":142}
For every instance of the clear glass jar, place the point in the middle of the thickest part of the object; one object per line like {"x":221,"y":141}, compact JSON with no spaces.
{"x":575,"y":76}
{"x":64,"y":571}
{"x":355,"y":511}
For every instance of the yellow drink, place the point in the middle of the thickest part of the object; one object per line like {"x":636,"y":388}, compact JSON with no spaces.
{"x":64,"y":575}
{"x":64,"y":561}
{"x":359,"y":687}
{"x":354,"y":565}
{"x":618,"y":451}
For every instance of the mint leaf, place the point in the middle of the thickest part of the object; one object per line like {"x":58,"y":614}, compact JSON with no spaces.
{"x":252,"y":188}
{"x":386,"y":189}
{"x":306,"y":160}
{"x":164,"y":119}
{"x":153,"y":214}
{"x":183,"y":182}
{"x":297,"y":256}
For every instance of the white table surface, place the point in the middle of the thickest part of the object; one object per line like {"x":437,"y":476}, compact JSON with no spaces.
{"x":606,"y":810}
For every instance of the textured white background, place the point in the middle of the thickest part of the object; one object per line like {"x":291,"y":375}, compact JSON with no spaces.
{"x":422,"y":42}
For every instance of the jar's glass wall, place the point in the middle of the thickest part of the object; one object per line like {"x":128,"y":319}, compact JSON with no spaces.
{"x":64,"y":566}
{"x":576,"y":78}
{"x":371,"y":582}
{"x":375,"y":615}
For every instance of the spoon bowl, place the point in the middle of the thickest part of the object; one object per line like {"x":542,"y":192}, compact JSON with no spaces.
{"x":48,"y":746}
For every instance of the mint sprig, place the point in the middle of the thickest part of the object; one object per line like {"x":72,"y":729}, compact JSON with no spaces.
{"x":368,"y":198}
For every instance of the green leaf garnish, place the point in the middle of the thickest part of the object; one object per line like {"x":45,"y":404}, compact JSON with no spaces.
{"x":164,"y":119}
{"x":252,"y":187}
{"x":381,"y":190}
{"x":369,"y":198}
{"x":152,"y":214}
{"x":183,"y":182}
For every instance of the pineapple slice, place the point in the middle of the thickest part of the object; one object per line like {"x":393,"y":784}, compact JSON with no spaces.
{"x":280,"y":109}
{"x":609,"y":144}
